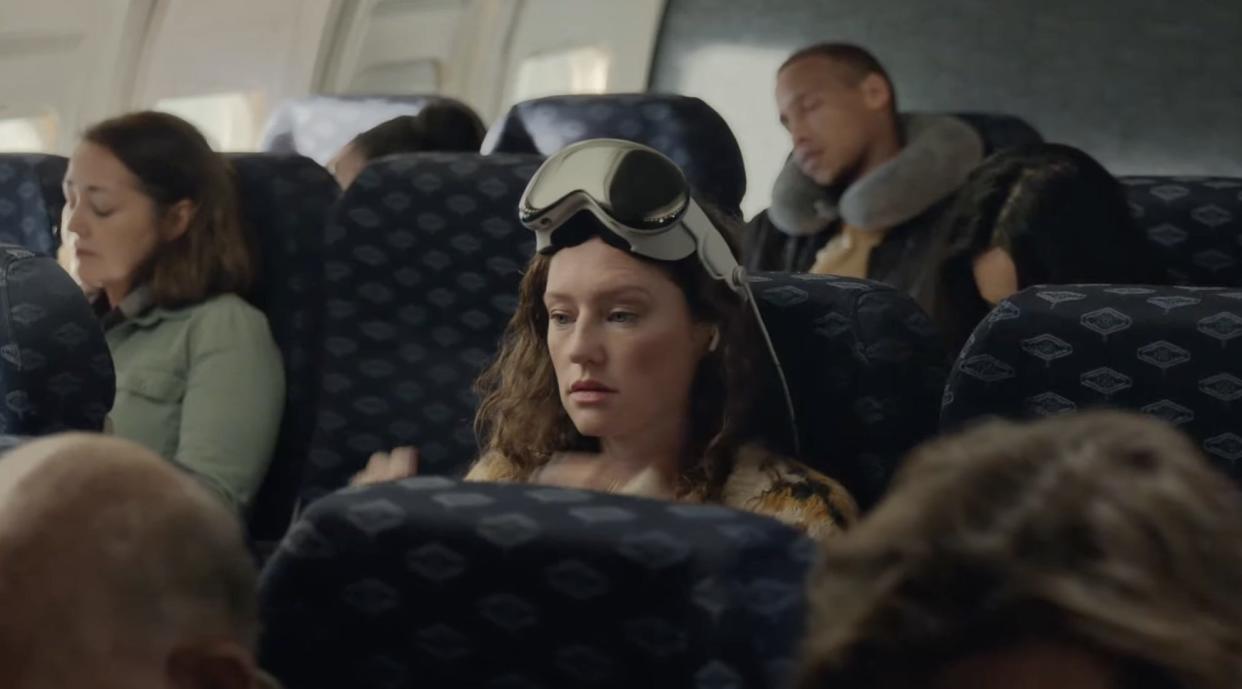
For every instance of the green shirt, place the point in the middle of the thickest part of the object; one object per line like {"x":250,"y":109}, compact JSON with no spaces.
{"x":203,"y":386}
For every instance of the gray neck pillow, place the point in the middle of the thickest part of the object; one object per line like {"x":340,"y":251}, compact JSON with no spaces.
{"x":940,"y":152}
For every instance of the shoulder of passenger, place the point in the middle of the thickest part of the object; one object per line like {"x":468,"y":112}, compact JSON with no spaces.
{"x":756,"y":465}
{"x":494,"y":467}
{"x":227,"y":322}
{"x":227,"y":311}
{"x":761,"y":476}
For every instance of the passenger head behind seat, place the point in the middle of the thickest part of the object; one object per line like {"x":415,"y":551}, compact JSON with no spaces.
{"x":1033,"y":215}
{"x":319,"y":126}
{"x":31,"y":200}
{"x":118,"y":571}
{"x":685,"y":129}
{"x":1086,"y":551}
{"x":438,"y":127}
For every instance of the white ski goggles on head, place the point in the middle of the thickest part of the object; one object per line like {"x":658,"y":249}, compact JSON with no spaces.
{"x":637,"y":194}
{"x":643,"y":199}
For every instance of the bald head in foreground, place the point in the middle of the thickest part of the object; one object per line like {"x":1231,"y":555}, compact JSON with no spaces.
{"x":116,"y":570}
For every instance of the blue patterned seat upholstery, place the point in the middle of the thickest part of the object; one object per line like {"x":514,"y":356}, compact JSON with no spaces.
{"x":55,"y":369}
{"x":424,"y":258}
{"x":31,"y":200}
{"x":319,"y":126}
{"x":866,"y":370}
{"x":431,"y":583}
{"x":685,"y":129}
{"x":285,"y":202}
{"x":1172,"y":352}
{"x":1194,"y":224}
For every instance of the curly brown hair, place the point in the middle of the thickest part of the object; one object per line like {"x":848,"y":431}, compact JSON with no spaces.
{"x":521,"y":416}
{"x":1104,"y":530}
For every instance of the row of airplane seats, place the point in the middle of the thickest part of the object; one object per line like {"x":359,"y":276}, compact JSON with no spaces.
{"x":688,"y":130}
{"x":425,"y":254}
{"x":386,"y":302}
{"x":1192,"y":221}
{"x":1166,"y":351}
{"x":425,"y":258}
{"x":403,"y":216}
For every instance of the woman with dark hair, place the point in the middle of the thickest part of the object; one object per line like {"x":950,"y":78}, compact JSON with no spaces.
{"x":1091,"y":551}
{"x":1032,"y":215}
{"x":152,"y":224}
{"x":631,"y":364}
{"x":437,"y":127}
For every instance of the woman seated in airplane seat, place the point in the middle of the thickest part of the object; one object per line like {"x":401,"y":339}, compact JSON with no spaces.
{"x":1090,"y":551}
{"x":151,"y":219}
{"x":633,"y":363}
{"x":437,"y":127}
{"x":1031,"y":215}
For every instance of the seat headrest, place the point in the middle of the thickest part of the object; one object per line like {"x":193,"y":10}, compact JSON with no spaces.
{"x":1000,"y":131}
{"x":434,"y":583}
{"x":31,"y":200}
{"x":1167,"y":351}
{"x":1194,"y":225}
{"x":685,"y":129}
{"x":319,"y":126}
{"x":56,"y":371}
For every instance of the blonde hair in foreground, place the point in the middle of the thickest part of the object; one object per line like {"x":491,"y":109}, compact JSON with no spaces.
{"x":1103,"y":530}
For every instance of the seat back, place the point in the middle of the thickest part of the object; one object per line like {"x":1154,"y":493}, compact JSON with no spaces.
{"x":1172,"y":352}
{"x":685,"y":129}
{"x":31,"y":200}
{"x":285,"y":202}
{"x":319,"y":126}
{"x":1194,"y":224}
{"x":434,"y":583}
{"x":426,"y":254}
{"x":55,"y":368}
{"x":1000,"y":131}
{"x":866,"y":370}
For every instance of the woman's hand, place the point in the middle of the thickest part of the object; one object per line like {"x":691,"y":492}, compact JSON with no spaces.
{"x":383,"y":467}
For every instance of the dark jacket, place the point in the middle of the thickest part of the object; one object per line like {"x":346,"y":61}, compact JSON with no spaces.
{"x":897,"y":261}
{"x":907,"y":194}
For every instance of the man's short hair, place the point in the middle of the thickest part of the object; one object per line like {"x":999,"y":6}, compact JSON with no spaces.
{"x":859,"y":62}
